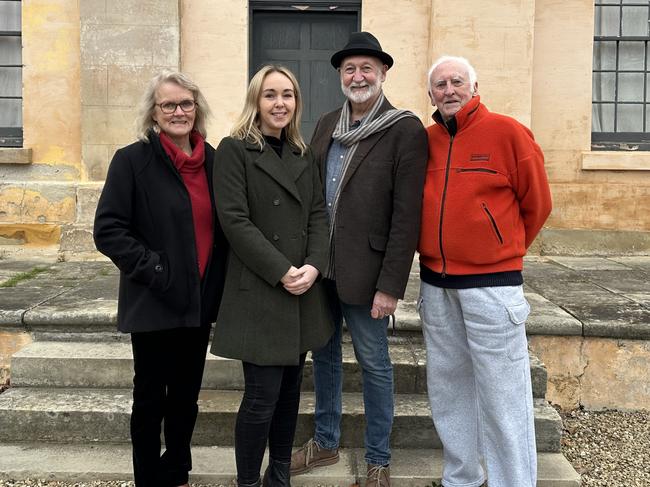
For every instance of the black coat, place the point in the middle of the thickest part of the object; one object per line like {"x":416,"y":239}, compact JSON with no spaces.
{"x":274,"y":216}
{"x":144,"y":225}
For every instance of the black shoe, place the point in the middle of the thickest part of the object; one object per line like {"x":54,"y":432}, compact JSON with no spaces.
{"x":255,"y":484}
{"x":277,"y":474}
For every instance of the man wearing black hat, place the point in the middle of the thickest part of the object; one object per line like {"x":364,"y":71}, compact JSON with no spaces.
{"x":373,"y":162}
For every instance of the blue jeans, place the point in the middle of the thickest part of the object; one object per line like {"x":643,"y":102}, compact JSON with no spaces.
{"x":478,"y":378}
{"x":371,"y":350}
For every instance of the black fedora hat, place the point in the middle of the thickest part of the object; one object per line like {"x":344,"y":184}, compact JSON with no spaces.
{"x":361,"y":44}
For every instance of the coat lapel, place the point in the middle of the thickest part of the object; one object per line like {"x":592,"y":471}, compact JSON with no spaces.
{"x":269,"y":162}
{"x":292,"y":161}
{"x":362,"y":151}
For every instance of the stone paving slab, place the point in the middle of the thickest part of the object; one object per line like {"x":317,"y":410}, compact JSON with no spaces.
{"x":547,"y":318}
{"x":589,"y":263}
{"x":90,"y":415}
{"x":592,"y":296}
{"x":641,"y":262}
{"x":16,"y":301}
{"x":91,"y":304}
{"x":216,"y":465}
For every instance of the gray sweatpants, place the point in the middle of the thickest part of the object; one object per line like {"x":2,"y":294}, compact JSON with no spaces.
{"x":478,"y":380}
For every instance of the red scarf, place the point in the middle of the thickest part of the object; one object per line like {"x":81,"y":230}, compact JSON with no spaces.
{"x":192,"y":170}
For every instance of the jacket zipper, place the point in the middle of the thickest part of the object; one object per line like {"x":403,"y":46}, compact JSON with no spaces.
{"x":442,"y":208}
{"x":493,"y":222}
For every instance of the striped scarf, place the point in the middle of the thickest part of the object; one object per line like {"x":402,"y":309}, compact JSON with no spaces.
{"x":370,"y":124}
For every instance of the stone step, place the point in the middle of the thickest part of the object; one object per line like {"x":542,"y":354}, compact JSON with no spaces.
{"x":102,"y":415}
{"x":109,"y":365}
{"x":55,"y":304}
{"x":216,"y":465}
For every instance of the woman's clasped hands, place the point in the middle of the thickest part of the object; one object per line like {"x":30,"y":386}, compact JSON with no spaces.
{"x":298,"y":280}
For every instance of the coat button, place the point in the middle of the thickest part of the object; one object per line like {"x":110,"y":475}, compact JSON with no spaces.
{"x":276,"y":202}
{"x":276,"y":237}
{"x":158,"y":268}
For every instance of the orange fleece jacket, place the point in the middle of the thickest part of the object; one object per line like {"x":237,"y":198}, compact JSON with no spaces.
{"x":486,"y":194}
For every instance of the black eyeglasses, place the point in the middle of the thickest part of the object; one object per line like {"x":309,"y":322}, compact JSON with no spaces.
{"x":170,"y":107}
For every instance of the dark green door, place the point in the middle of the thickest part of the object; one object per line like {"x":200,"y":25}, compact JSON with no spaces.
{"x":304,"y":43}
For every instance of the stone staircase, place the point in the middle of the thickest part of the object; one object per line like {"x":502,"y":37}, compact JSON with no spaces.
{"x":66,"y":415}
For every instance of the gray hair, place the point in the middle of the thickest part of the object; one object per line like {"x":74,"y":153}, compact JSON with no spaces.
{"x":471,"y":72}
{"x":145,"y":122}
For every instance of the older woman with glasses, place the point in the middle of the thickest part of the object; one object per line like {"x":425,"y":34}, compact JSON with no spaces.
{"x":156,"y":221}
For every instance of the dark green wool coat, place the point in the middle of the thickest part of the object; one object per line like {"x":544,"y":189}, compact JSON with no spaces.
{"x":273,"y":214}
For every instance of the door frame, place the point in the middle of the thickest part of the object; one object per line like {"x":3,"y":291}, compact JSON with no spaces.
{"x":297,"y":6}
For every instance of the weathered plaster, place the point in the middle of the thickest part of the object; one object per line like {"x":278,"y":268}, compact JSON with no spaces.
{"x":405,"y":83}
{"x":221,"y":72}
{"x":30,"y":234}
{"x":597,"y":373}
{"x":51,"y":81}
{"x":10,"y":342}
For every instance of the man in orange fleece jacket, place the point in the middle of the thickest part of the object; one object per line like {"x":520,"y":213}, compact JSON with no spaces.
{"x":486,"y":197}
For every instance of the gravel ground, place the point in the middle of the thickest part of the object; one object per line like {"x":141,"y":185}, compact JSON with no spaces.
{"x":608,"y":449}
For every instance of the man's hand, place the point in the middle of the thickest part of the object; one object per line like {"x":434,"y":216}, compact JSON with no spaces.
{"x":383,"y":305}
{"x":300,"y":280}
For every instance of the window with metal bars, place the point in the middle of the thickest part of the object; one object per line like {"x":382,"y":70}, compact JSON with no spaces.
{"x":621,"y":82}
{"x":11,"y":86}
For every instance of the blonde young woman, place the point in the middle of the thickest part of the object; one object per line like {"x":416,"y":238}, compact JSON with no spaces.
{"x":156,"y":221}
{"x":270,"y":204}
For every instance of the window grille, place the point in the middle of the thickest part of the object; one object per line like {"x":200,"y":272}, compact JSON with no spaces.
{"x":621,"y":82}
{"x":11,"y":100}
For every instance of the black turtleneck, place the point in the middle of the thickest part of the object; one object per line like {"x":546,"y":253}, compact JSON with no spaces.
{"x":275,"y":143}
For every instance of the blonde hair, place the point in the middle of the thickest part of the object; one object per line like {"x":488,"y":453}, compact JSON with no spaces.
{"x":247,"y":126}
{"x":145,"y":122}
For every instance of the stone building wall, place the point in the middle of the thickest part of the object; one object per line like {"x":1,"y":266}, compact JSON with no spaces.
{"x":86,"y":64}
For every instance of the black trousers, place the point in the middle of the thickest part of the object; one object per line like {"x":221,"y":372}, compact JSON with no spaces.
{"x":268,"y":413}
{"x":168,"y":371}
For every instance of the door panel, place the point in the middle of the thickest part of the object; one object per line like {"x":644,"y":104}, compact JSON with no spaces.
{"x":304,"y":42}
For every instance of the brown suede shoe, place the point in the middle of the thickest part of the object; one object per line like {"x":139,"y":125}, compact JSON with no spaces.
{"x":378,"y":476}
{"x":310,"y":455}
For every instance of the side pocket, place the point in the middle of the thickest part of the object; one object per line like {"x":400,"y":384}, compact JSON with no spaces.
{"x":493,"y":222}
{"x":160,"y":281}
{"x":516,"y":343}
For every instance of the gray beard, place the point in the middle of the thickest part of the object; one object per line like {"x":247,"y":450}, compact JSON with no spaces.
{"x":371,"y":92}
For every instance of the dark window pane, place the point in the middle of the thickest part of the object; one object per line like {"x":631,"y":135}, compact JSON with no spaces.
{"x":604,"y":86}
{"x":11,"y":114}
{"x":10,"y":16}
{"x":10,"y":50}
{"x":604,"y":55}
{"x":602,"y":118}
{"x":10,"y":82}
{"x":607,"y":21}
{"x":630,"y":118}
{"x":630,"y":87}
{"x":635,"y":21}
{"x":631,"y":56}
